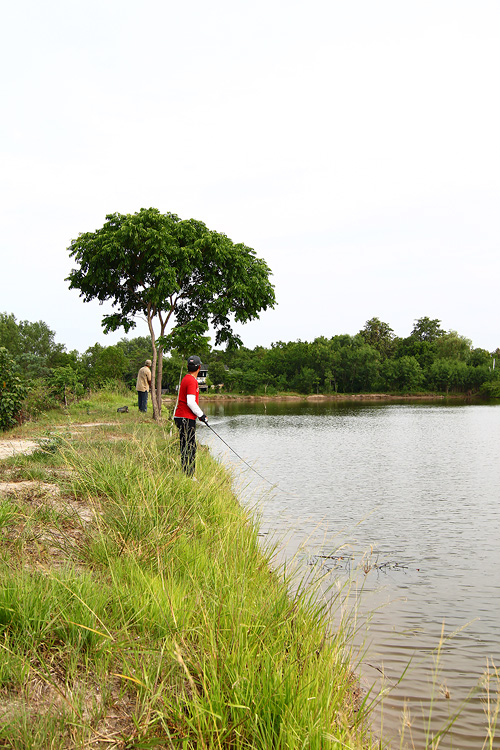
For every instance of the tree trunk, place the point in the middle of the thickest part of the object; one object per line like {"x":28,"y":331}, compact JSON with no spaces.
{"x":159,"y":379}
{"x":154,"y":398}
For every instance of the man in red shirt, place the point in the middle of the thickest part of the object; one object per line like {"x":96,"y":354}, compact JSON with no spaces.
{"x":186,"y":413}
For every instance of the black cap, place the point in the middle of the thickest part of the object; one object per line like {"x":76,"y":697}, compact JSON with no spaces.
{"x":193,"y":363}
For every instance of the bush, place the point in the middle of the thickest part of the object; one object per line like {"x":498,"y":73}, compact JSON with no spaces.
{"x":491,"y":389}
{"x":12,"y":391}
{"x":65,"y":384}
{"x":40,"y":398}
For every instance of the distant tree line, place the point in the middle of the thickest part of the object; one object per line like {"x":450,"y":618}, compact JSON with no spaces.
{"x":38,"y":373}
{"x":373,"y":360}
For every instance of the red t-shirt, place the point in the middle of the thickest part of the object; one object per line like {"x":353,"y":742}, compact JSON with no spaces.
{"x":189,"y":386}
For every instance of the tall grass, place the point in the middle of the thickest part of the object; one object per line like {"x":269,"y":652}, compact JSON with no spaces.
{"x":159,"y":622}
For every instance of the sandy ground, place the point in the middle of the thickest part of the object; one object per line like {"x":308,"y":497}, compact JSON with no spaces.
{"x":10,"y":448}
{"x":14,"y":447}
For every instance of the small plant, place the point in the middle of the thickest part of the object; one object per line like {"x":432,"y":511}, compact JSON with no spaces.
{"x":50,"y":443}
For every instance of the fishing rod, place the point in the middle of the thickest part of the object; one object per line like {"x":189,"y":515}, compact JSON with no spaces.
{"x":242,"y":459}
{"x":222,"y":439}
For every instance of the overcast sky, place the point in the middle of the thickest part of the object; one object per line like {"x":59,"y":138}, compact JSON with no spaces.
{"x":354,"y":145}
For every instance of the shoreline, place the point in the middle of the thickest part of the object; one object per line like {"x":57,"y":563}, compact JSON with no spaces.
{"x":321,"y":397}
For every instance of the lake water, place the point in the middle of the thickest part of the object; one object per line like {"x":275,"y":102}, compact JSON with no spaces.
{"x":405,"y":500}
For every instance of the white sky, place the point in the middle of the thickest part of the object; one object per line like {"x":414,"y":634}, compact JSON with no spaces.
{"x":355,"y":145}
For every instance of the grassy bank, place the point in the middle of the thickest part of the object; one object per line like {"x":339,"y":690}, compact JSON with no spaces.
{"x":137,"y":609}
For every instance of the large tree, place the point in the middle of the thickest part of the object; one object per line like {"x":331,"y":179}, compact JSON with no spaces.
{"x":178,"y":274}
{"x":427,"y":329}
{"x":379,"y":335}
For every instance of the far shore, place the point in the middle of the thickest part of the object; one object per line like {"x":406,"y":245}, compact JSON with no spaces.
{"x":221,"y":397}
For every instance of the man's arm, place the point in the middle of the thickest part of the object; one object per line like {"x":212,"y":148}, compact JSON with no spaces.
{"x":191,"y":402}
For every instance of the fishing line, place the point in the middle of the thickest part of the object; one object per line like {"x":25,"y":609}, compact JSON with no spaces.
{"x":231,"y":449}
{"x":246,"y":462}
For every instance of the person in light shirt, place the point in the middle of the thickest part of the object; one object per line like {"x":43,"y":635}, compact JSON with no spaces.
{"x":143,"y":385}
{"x":186,"y":413}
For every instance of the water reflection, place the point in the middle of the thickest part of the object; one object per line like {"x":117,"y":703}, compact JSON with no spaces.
{"x":408,"y":496}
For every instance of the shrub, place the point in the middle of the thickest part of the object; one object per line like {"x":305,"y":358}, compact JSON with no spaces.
{"x":40,"y":398}
{"x":12,"y":391}
{"x":491,"y":389}
{"x":65,"y":383}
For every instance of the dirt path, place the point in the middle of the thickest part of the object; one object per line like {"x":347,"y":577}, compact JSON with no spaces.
{"x":10,"y":448}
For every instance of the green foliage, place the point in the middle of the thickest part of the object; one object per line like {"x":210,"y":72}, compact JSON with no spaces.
{"x":65,"y":384}
{"x":136,"y":351}
{"x":176,"y":273}
{"x":371,"y":361}
{"x":40,"y":398}
{"x":379,"y":335}
{"x":479,"y":358}
{"x":151,"y":263}
{"x":452,"y":346}
{"x":411,"y":346}
{"x":491,"y":389}
{"x":10,"y":334}
{"x":103,"y":363}
{"x":446,"y":374}
{"x":403,"y":374}
{"x":306,"y":380}
{"x":51,"y":442}
{"x":31,"y":345}
{"x":12,"y":391}
{"x":187,"y":338}
{"x":217,"y":373}
{"x":426,"y":329}
{"x":476,"y":376}
{"x":359,"y":366}
{"x":233,"y":380}
{"x":250,"y":380}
